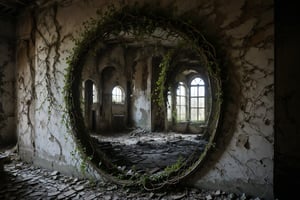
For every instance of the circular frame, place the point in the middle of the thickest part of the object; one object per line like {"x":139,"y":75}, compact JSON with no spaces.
{"x":140,"y":22}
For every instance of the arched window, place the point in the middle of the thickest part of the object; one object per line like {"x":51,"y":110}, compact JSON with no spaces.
{"x":89,"y":92}
{"x":95,"y":94}
{"x":90,"y":97}
{"x":169,"y":106}
{"x":118,"y":95}
{"x":181,"y":102}
{"x":197,"y":98}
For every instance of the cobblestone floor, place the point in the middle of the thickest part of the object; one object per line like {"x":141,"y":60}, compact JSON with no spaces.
{"x":24,"y":181}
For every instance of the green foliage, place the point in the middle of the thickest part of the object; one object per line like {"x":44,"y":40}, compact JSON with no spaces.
{"x":170,"y":170}
{"x":161,"y":82}
{"x":175,"y":167}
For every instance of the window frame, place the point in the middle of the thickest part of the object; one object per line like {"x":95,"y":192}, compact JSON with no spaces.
{"x":95,"y":98}
{"x":203,"y":96}
{"x":169,"y":105}
{"x":120,"y":96}
{"x":184,"y":106}
{"x":198,"y":96}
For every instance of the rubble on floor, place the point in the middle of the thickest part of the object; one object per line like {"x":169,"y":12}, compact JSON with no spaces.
{"x":24,"y":181}
{"x":150,"y":151}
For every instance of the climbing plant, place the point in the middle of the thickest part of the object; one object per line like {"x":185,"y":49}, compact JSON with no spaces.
{"x":140,"y":22}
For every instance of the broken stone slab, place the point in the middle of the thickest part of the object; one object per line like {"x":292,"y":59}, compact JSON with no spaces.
{"x":61,"y":196}
{"x":52,"y":194}
{"x":231,"y":196}
{"x":62,"y":187}
{"x":69,"y":193}
{"x":243,"y":197}
{"x":93,"y":196}
{"x":36,"y":194}
{"x":54,"y":173}
{"x":217,"y":193}
{"x":107,"y":197}
{"x":208,"y":197}
{"x":77,"y":197}
{"x":79,"y":188}
{"x":179,"y":196}
{"x":114,"y":187}
{"x":151,"y":195}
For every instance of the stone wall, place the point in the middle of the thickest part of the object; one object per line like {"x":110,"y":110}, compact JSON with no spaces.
{"x":247,"y":158}
{"x":43,"y":136}
{"x":7,"y":83}
{"x":242,"y":32}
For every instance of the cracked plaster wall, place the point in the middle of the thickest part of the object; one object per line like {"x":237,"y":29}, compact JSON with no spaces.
{"x":243,"y":158}
{"x":44,"y":138}
{"x":142,"y":94}
{"x":7,"y":83}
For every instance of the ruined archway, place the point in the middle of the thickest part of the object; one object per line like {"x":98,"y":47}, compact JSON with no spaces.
{"x":139,"y":25}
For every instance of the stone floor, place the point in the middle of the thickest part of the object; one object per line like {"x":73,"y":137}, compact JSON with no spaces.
{"x":21,"y":180}
{"x":24,"y":181}
{"x":149,"y":151}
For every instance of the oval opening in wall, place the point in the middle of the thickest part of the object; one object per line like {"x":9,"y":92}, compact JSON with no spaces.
{"x":144,"y":97}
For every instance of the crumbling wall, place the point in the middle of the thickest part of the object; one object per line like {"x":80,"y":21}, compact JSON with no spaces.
{"x":246,"y":141}
{"x":141,"y":94}
{"x":242,"y":32}
{"x":7,"y":83}
{"x":45,"y":138}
